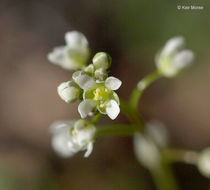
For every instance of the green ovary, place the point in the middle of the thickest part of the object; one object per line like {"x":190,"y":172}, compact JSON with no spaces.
{"x":101,"y":95}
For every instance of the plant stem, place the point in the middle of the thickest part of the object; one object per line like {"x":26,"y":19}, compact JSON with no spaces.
{"x":114,"y":130}
{"x":96,"y":118}
{"x":163,"y":177}
{"x":141,"y":86}
{"x":180,"y":155}
{"x":132,"y":115}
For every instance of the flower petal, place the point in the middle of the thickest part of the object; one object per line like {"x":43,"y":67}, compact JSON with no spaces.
{"x":85,"y":107}
{"x":57,"y":55}
{"x":61,"y":138}
{"x":172,"y":46}
{"x":60,"y":56}
{"x":113,"y":83}
{"x":158,"y":133}
{"x":60,"y":146}
{"x":89,"y":149}
{"x":183,"y":58}
{"x":146,"y":151}
{"x":116,"y":97}
{"x":84,"y":81}
{"x":112,"y":109}
{"x":60,"y":126}
{"x":75,"y":39}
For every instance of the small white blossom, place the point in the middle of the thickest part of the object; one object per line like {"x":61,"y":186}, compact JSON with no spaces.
{"x":74,"y":55}
{"x":69,"y":138}
{"x":98,"y":95}
{"x":146,"y":151}
{"x":203,"y":162}
{"x":68,"y":91}
{"x":173,"y":57}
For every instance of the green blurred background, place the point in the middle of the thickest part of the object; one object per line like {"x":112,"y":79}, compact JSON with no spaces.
{"x":131,"y":31}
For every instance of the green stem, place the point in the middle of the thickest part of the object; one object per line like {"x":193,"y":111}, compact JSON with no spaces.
{"x":180,"y":155}
{"x":141,"y":86}
{"x":96,"y":118}
{"x":163,"y":177}
{"x":132,"y":115}
{"x":114,"y":130}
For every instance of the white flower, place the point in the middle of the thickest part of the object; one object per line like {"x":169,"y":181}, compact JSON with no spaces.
{"x":146,"y":151}
{"x":173,"y":57}
{"x":98,"y":95}
{"x":203,"y":162}
{"x":68,"y":91}
{"x":69,"y":138}
{"x":74,"y":54}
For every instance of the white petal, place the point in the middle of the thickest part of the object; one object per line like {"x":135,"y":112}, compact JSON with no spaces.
{"x":85,"y":133}
{"x":60,"y":56}
{"x":89,"y":149}
{"x":116,"y":98}
{"x":85,"y":81}
{"x":112,"y":109}
{"x":57,"y":55}
{"x":183,"y":58}
{"x":85,"y":107}
{"x":60,"y":146}
{"x":60,"y":126}
{"x":158,"y":133}
{"x":113,"y":83}
{"x":61,"y":137}
{"x":172,"y":46}
{"x":75,"y":39}
{"x":146,"y":151}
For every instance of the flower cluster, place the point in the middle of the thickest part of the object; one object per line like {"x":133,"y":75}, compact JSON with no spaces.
{"x":91,"y":85}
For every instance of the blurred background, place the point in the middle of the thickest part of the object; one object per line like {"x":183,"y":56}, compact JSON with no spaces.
{"x":131,"y":32}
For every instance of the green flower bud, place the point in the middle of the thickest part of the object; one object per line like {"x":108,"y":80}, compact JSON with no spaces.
{"x":102,"y":60}
{"x":89,"y":69}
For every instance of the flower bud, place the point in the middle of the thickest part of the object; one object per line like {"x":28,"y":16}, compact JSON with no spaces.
{"x":102,"y":60}
{"x":68,"y":91}
{"x":89,"y":69}
{"x":100,"y":74}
